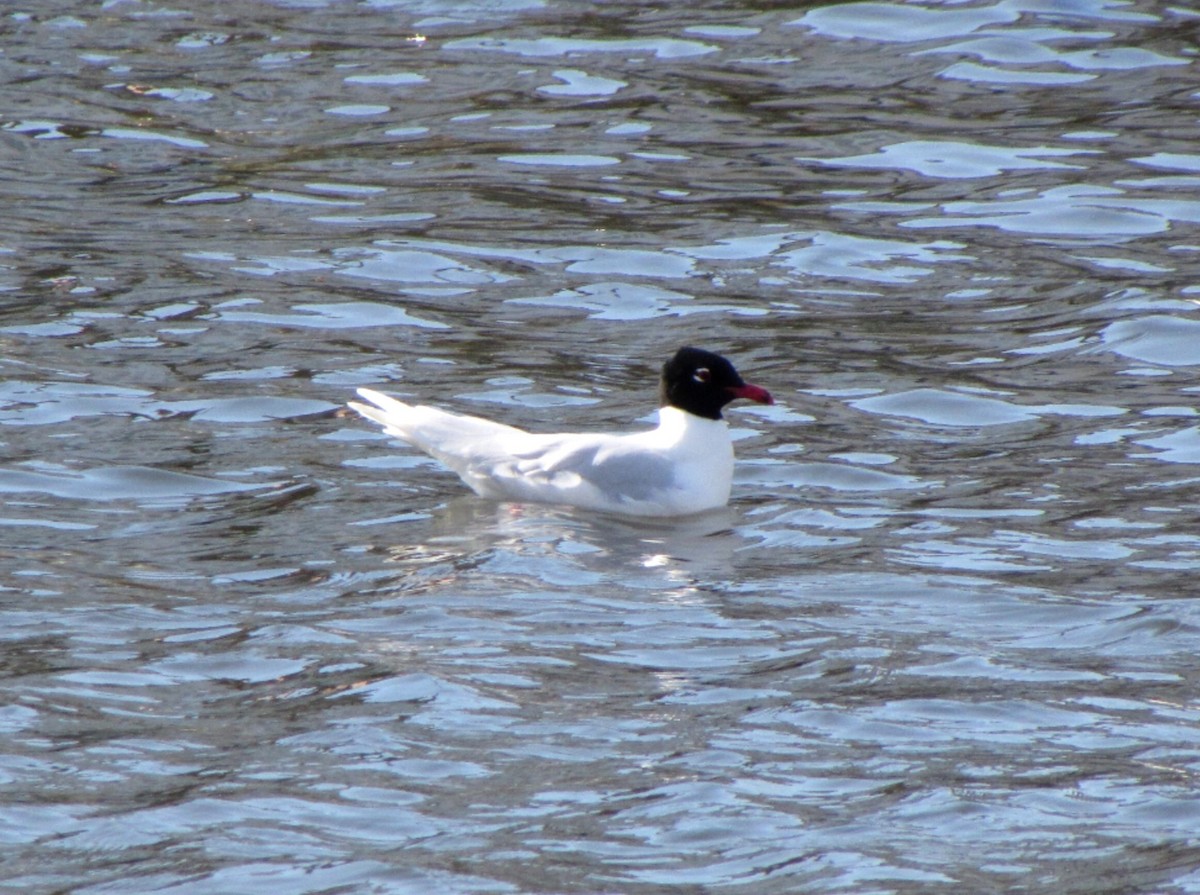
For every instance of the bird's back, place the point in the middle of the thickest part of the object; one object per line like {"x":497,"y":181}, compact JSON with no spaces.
{"x":684,"y":465}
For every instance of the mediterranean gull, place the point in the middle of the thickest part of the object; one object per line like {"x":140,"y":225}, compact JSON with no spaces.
{"x":681,"y":467}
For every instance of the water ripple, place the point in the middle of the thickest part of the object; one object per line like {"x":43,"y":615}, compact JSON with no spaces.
{"x":941,"y":640}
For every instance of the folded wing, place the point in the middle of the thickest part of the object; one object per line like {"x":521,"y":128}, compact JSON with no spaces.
{"x":596,"y":470}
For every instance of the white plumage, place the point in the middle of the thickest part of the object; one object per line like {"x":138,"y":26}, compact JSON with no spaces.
{"x":682,"y":466}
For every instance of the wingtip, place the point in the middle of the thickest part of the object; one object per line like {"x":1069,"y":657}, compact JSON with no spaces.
{"x":389,"y":412}
{"x":369,"y":393}
{"x":383,"y":402}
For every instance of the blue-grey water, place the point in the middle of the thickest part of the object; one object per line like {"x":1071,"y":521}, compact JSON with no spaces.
{"x":943,"y":640}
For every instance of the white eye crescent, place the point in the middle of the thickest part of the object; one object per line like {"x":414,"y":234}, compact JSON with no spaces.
{"x":702,"y":375}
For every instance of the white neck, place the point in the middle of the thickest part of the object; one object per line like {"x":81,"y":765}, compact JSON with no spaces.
{"x":678,"y":426}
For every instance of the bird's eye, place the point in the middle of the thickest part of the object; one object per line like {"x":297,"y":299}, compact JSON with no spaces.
{"x":702,"y":375}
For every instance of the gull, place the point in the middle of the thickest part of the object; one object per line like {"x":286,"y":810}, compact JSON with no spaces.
{"x":681,"y":467}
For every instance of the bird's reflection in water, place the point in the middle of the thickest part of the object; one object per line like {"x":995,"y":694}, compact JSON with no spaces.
{"x":565,"y":545}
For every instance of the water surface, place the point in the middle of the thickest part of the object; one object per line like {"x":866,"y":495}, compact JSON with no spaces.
{"x":943,"y":639}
